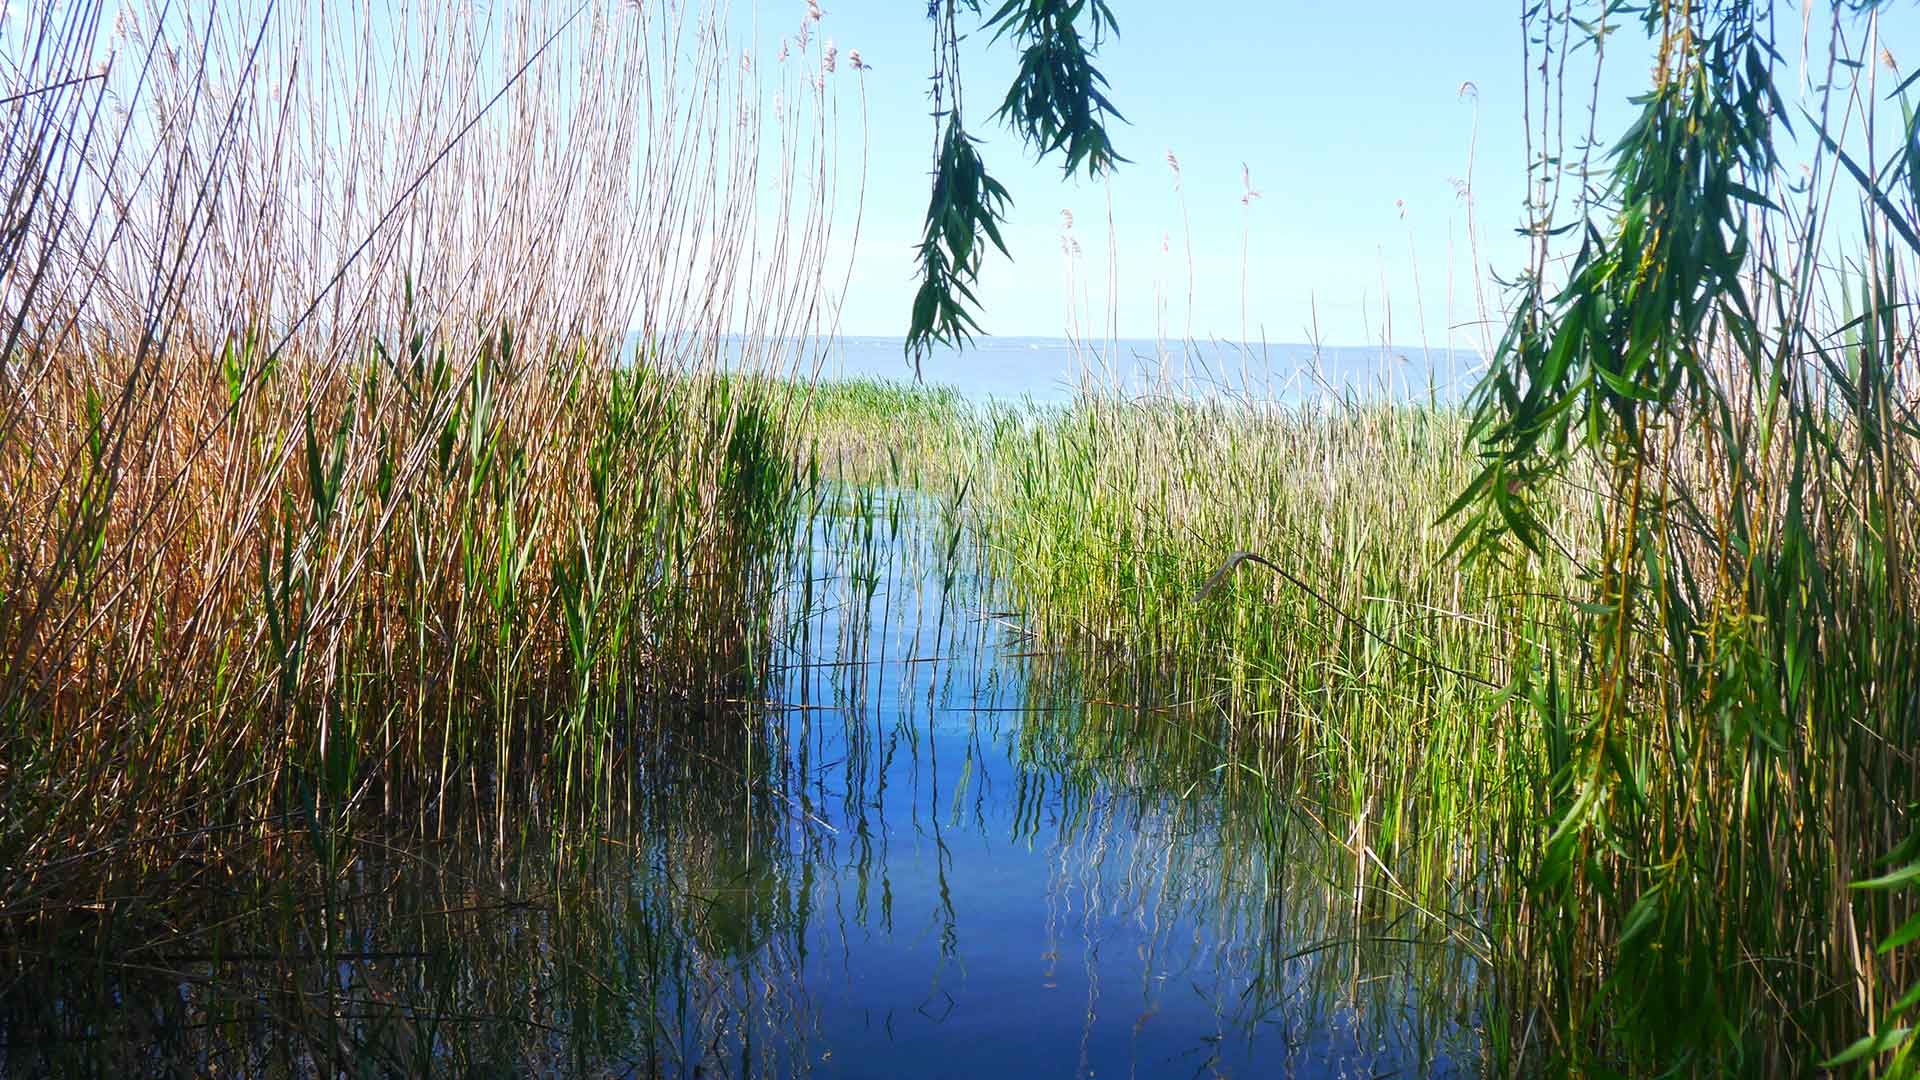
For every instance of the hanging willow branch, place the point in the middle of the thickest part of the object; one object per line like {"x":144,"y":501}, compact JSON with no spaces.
{"x":1733,"y":627}
{"x":1057,"y":103}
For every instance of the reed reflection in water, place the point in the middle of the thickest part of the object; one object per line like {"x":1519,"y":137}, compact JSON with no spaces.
{"x":912,"y":845}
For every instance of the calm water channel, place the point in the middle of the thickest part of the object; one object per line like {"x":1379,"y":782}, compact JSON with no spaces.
{"x":1004,"y":871}
{"x":916,"y":846}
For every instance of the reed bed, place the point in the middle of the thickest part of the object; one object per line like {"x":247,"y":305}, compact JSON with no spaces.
{"x":404,"y":423}
{"x":1276,"y":588}
{"x":368,"y":443}
{"x":662,"y":941}
{"x":887,"y":433}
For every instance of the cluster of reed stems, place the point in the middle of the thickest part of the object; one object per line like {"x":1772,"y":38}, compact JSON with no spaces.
{"x":1611,"y":669}
{"x":368,"y":440}
{"x":1278,"y":581}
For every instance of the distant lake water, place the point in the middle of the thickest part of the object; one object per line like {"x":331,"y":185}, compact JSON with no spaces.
{"x":1049,"y":369}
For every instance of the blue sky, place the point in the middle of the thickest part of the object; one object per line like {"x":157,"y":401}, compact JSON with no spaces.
{"x":1349,"y":119}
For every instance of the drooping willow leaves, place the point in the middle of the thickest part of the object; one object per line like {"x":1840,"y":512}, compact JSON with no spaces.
{"x":1057,"y":104}
{"x":1670,"y":374}
{"x":1057,"y":100}
{"x":965,"y":206}
{"x":1624,"y":340}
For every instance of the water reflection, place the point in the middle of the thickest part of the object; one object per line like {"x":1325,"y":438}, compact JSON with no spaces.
{"x":913,"y":846}
{"x":1067,"y":887}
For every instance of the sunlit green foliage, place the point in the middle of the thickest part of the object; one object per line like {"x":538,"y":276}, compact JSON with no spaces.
{"x":1737,"y":699}
{"x":1057,"y":103}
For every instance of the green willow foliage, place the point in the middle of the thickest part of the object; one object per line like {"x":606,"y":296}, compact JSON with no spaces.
{"x":1625,"y":340}
{"x":1729,"y":706}
{"x":1057,"y":103}
{"x":1748,"y":624}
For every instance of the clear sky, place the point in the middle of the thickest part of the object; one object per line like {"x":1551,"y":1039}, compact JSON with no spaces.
{"x":1348,"y":117}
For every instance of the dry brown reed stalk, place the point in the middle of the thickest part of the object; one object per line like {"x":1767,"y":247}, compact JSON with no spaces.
{"x":366,"y":411}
